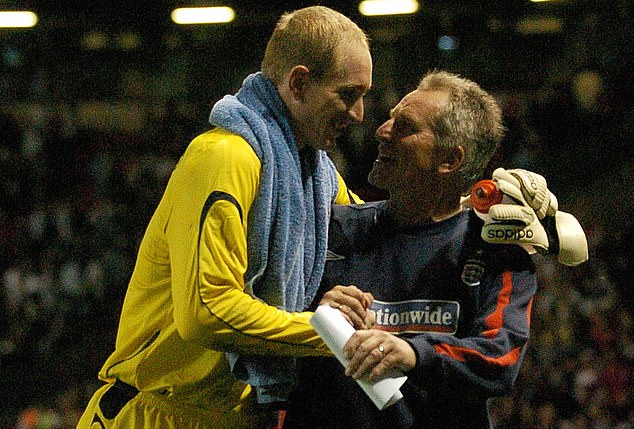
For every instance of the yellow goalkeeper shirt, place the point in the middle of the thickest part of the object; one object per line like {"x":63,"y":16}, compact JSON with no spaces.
{"x":185,"y":305}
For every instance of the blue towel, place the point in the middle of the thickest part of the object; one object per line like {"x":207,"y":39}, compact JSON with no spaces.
{"x":288,"y":222}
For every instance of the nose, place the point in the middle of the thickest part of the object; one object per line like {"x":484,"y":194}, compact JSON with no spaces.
{"x":384,"y":132}
{"x":356,"y":110}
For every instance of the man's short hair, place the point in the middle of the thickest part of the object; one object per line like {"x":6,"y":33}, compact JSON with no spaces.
{"x":472,"y":119}
{"x":310,"y":37}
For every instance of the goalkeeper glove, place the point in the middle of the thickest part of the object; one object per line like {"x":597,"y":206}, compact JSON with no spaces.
{"x":529,"y":217}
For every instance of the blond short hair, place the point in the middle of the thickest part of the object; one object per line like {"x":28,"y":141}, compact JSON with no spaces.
{"x":310,"y":37}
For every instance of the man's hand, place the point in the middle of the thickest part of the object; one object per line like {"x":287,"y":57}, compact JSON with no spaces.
{"x":531,"y":218}
{"x":527,"y":188}
{"x":374,"y":353}
{"x":353,"y":304}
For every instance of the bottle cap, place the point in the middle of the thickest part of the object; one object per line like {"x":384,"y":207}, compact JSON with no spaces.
{"x":484,"y":194}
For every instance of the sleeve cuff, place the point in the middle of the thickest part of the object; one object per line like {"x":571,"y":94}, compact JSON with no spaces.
{"x":425,"y":355}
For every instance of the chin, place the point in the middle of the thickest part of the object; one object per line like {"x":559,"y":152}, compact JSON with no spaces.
{"x":329,"y":145}
{"x":325,"y":145}
{"x":375,"y":180}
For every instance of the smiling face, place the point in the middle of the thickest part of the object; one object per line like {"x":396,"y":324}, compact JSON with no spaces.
{"x":323,"y":108}
{"x":409,"y":161}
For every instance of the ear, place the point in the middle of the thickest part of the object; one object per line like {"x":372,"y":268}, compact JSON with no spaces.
{"x":450,"y":160}
{"x":298,"y":81}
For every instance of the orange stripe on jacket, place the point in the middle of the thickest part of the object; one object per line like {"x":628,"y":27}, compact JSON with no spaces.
{"x":463,"y":354}
{"x":495,"y":321}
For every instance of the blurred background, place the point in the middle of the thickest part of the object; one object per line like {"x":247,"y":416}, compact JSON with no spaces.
{"x":99,"y":98}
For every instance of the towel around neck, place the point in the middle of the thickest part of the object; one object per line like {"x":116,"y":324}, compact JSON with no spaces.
{"x":288,"y":222}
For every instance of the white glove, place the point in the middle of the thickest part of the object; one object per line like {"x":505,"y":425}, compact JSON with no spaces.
{"x":527,"y":189}
{"x":573,"y":246}
{"x":529,"y":217}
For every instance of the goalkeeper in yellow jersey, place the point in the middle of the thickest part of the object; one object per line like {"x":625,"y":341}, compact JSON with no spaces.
{"x":235,"y":250}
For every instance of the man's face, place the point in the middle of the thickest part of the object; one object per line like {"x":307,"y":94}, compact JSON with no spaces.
{"x":336,"y":101}
{"x":407,"y":162}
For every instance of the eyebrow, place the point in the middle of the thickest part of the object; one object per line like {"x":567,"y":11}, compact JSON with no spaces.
{"x":405,"y":116}
{"x":356,"y":87}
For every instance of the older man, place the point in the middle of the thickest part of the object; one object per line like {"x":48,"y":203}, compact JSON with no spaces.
{"x":451,"y":311}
